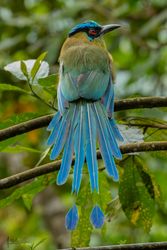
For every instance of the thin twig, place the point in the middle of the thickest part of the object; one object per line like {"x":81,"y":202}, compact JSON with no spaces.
{"x":54,"y":166}
{"x":131,"y":103}
{"x":145,"y":125}
{"x":144,"y":122}
{"x":137,"y":246}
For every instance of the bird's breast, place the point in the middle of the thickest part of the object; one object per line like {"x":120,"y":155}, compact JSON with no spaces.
{"x":85,"y":58}
{"x":85,"y":72}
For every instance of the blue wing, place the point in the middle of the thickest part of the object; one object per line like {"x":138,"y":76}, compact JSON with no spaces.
{"x":62,"y":102}
{"x":90,"y":85}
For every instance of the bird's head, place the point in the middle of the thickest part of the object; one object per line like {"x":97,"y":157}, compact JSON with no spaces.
{"x":92,"y":29}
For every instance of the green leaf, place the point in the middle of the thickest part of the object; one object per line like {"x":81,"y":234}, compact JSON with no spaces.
{"x":37,"y":65}
{"x":9,"y":87}
{"x":153,"y":134}
{"x":136,"y":193}
{"x":113,"y":208}
{"x":24,"y":69}
{"x":27,"y":199}
{"x":44,"y":94}
{"x":35,"y":245}
{"x":150,"y":183}
{"x":31,"y":188}
{"x":158,"y":155}
{"x":28,"y":191}
{"x":9,"y":142}
{"x":19,"y":149}
{"x":50,"y":80}
{"x":50,"y":84}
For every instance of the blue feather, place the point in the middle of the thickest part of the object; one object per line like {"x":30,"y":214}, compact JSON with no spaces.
{"x":91,"y":157}
{"x":90,"y":86}
{"x":54,"y":133}
{"x":108,"y":102}
{"x":112,"y":141}
{"x":86,"y":85}
{"x":54,"y":121}
{"x":59,"y":138}
{"x":68,"y":152}
{"x":108,"y":99}
{"x":97,"y":217}
{"x":105,"y":146}
{"x":71,"y":218}
{"x":88,"y":24}
{"x":79,"y":152}
{"x":68,"y":87}
{"x":115,"y":129}
{"x":62,"y":102}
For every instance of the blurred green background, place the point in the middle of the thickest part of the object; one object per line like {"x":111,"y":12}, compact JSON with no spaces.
{"x":139,"y":49}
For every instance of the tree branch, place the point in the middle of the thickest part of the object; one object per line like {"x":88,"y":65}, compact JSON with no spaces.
{"x":24,"y":127}
{"x":141,"y":102}
{"x":131,"y":103}
{"x":54,"y":166}
{"x":138,"y":246}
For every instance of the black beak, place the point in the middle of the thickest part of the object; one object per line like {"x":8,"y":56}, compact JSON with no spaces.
{"x":107,"y":28}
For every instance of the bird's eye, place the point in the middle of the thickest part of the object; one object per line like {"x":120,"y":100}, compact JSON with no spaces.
{"x":92,"y":32}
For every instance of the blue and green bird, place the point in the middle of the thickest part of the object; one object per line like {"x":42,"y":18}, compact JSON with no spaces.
{"x":85,"y":117}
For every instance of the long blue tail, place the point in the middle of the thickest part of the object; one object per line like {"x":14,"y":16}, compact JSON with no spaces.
{"x":76,"y":131}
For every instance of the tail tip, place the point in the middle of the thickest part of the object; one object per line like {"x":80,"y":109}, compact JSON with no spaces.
{"x":71,"y":219}
{"x":97,"y":217}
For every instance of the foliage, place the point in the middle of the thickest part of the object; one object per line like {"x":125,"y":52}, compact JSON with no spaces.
{"x":139,"y":52}
{"x":138,"y":192}
{"x":27,"y":192}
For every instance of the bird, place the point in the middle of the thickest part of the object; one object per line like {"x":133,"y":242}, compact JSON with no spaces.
{"x":85,"y":118}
